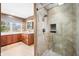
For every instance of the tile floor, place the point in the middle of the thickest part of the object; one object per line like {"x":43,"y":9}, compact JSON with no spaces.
{"x":17,"y":49}
{"x":50,"y":53}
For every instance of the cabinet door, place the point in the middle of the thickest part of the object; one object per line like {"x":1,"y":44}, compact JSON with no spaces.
{"x":15,"y":38}
{"x":3,"y":40}
{"x":19,"y":37}
{"x":9,"y":39}
{"x":25,"y":38}
{"x":30,"y":39}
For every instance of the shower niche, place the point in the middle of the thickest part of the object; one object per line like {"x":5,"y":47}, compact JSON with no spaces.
{"x":53,"y":28}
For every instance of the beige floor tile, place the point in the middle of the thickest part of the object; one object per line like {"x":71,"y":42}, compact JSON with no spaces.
{"x":17,"y":49}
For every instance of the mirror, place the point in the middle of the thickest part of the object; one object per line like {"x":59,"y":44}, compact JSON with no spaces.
{"x":30,"y":25}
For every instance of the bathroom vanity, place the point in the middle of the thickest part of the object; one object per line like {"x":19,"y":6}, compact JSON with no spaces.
{"x":10,"y":39}
{"x":7,"y":39}
{"x":28,"y":38}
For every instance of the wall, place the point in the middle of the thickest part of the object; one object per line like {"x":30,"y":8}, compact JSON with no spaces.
{"x":77,"y":28}
{"x":41,"y":37}
{"x":63,"y":40}
{"x":10,"y":18}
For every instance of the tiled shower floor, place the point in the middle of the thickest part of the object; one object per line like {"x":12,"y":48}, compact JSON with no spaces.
{"x":50,"y":53}
{"x":17,"y":49}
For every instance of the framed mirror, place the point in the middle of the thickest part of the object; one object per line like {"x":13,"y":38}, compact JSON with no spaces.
{"x":30,"y":25}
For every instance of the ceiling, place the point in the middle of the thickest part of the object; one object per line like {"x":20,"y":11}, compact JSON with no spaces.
{"x":22,"y":10}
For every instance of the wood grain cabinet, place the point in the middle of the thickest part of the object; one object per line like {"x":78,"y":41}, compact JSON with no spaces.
{"x":28,"y":39}
{"x":13,"y":38}
{"x":3,"y":40}
{"x":19,"y":37}
{"x":10,"y":39}
{"x":24,"y":38}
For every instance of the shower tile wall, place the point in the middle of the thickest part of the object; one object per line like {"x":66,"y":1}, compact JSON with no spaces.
{"x":63,"y":39}
{"x":41,"y":37}
{"x":77,"y":27}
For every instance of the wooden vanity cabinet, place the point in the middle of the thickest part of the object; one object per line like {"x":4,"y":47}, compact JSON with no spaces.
{"x":10,"y":39}
{"x":28,"y":39}
{"x":24,"y":38}
{"x":13,"y":38}
{"x":19,"y":37}
{"x":3,"y":40}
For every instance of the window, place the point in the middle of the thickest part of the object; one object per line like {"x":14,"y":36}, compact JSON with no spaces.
{"x":16,"y":27}
{"x":5,"y":26}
